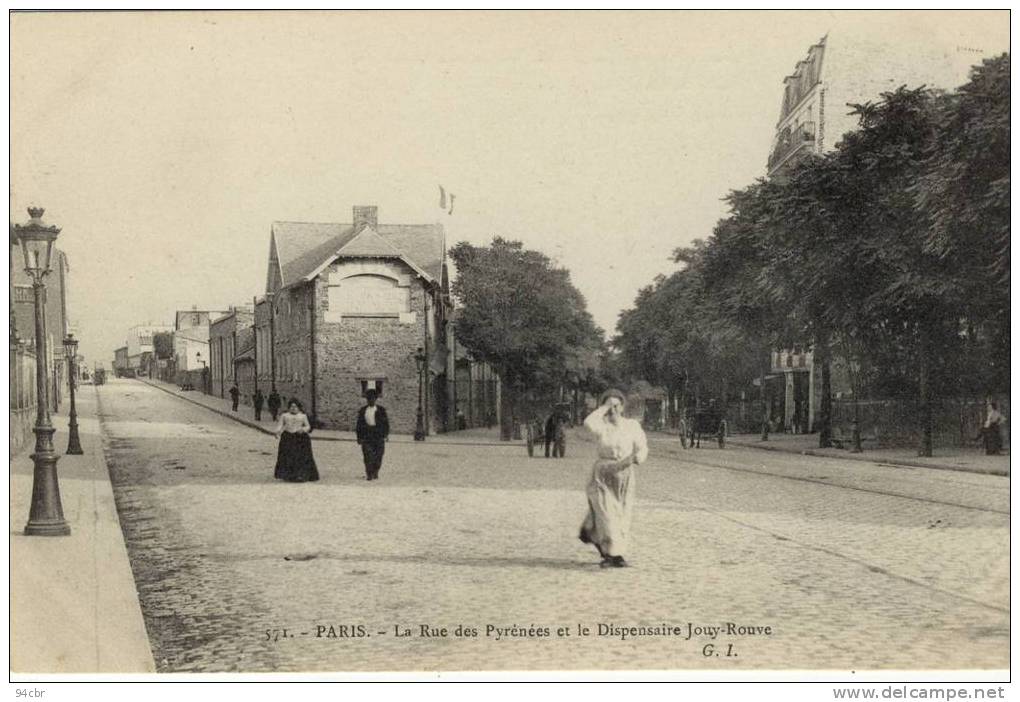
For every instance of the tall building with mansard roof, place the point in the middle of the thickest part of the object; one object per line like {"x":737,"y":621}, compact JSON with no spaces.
{"x":842,"y":69}
{"x":846,"y":68}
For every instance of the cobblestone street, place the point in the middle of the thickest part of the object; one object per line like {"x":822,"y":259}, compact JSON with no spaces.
{"x":849,"y":565}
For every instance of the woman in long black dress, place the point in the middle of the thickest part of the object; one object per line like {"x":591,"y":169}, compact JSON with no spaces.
{"x":294,"y":461}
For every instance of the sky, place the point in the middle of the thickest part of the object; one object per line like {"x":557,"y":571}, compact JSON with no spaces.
{"x":165,"y":144}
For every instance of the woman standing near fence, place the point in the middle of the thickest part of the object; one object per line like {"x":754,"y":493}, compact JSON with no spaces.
{"x":992,"y":430}
{"x":621,"y":445}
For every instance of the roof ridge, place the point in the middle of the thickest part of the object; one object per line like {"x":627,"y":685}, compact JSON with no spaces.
{"x":301,"y":221}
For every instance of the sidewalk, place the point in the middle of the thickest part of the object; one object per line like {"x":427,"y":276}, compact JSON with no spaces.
{"x":74,"y":606}
{"x":245,"y":414}
{"x":972,"y":460}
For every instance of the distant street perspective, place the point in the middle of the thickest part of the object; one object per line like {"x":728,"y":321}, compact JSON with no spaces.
{"x":847,"y":564}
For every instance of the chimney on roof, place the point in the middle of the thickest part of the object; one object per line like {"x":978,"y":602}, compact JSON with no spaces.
{"x":366,"y":214}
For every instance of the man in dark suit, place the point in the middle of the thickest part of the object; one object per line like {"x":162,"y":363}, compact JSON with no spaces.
{"x":274,"y":403}
{"x":373,"y":429}
{"x":257,"y":401}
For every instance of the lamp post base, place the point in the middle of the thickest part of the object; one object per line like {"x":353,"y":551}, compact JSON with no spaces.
{"x":419,"y":427}
{"x":46,"y":516}
{"x":48,"y":528}
{"x":74,"y":443}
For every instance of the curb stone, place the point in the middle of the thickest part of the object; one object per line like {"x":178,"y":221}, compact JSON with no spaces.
{"x":265,"y":430}
{"x":872,"y":459}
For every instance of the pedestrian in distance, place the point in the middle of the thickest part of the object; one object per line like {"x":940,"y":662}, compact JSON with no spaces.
{"x":373,"y":430}
{"x":991,"y":431}
{"x":560,"y":438}
{"x":274,"y":404}
{"x":621,"y":445}
{"x":294,"y":460}
{"x":257,"y":401}
{"x":235,"y":395}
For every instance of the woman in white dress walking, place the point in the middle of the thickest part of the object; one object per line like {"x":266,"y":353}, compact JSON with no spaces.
{"x":621,"y":445}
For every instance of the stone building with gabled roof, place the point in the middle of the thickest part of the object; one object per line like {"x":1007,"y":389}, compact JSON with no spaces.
{"x":346,"y":308}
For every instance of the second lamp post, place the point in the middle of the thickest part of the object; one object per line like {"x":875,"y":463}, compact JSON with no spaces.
{"x":419,"y":427}
{"x":71,"y":351}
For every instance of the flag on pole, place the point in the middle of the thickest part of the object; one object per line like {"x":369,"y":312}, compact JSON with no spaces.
{"x":442,"y":200}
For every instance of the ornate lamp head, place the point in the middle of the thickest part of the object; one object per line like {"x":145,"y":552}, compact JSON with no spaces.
{"x":37,"y":240}
{"x":70,"y":347}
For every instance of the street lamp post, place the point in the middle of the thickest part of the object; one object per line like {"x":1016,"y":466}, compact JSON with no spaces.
{"x":205,"y":368}
{"x":71,"y":351}
{"x":46,"y":515}
{"x":419,"y":427}
{"x":518,"y":406}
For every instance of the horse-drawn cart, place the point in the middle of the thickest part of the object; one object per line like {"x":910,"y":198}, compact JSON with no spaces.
{"x":536,"y":427}
{"x":703,"y":423}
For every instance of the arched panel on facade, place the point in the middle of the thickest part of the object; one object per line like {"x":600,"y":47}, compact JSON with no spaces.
{"x":368,"y":294}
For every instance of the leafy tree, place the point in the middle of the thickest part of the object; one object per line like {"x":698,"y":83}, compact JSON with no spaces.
{"x":163,"y":344}
{"x":674,"y":337}
{"x":523,"y":316}
{"x":910,"y":294}
{"x":964,"y":199}
{"x":736,"y":281}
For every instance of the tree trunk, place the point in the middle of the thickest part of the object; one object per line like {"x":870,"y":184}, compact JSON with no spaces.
{"x":506,"y":408}
{"x":824,"y":357}
{"x":926,"y":388}
{"x":671,"y":407}
{"x":764,"y":397}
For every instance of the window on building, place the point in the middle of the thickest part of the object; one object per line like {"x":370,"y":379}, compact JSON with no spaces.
{"x":374,"y":384}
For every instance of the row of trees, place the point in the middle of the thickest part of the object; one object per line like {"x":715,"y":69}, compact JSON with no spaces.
{"x":891,"y":252}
